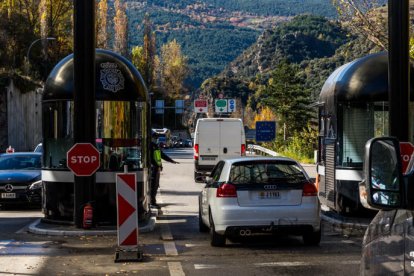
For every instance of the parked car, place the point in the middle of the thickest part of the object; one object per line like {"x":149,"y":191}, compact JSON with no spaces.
{"x":188,"y":143}
{"x":20,"y":178}
{"x":162,"y":142}
{"x":259,"y":195}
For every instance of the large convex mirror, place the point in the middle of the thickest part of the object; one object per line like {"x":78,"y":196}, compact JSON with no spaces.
{"x":384,"y":173}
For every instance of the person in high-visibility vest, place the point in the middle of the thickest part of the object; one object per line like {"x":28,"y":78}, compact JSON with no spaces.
{"x":156,"y":167}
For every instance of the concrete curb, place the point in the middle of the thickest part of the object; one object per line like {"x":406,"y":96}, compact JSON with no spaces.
{"x":36,"y":228}
{"x":334,"y":221}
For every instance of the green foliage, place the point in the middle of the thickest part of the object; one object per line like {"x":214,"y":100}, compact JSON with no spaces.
{"x":229,"y":87}
{"x":305,"y":37}
{"x":20,"y":27}
{"x":209,"y":47}
{"x":285,"y":95}
{"x":262,"y":7}
{"x":300,"y":146}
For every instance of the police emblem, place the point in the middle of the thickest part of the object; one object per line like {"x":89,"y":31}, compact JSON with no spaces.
{"x":111,"y":77}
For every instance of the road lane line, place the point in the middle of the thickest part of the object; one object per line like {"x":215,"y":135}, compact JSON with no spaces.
{"x":292,"y":264}
{"x":4,"y":244}
{"x":282,"y":264}
{"x":28,"y":265}
{"x":170,"y":249}
{"x":205,"y":266}
{"x":176,"y":269}
{"x":166,"y":232}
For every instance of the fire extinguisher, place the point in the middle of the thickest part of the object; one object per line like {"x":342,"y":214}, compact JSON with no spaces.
{"x":87,"y":216}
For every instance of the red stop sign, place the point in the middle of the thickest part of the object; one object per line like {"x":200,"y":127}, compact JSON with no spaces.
{"x":83,"y":159}
{"x":406,"y":150}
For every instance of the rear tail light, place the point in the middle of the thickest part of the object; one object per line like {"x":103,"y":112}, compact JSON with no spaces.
{"x":196,"y":152}
{"x":309,"y":189}
{"x":243,"y":149}
{"x":226,"y":190}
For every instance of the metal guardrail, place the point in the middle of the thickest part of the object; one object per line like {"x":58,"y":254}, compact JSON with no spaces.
{"x":261,"y":150}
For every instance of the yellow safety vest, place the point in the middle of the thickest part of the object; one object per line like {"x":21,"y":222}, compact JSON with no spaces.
{"x":157,"y":157}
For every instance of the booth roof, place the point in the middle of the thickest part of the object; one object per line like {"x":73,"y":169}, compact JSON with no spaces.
{"x":362,"y":80}
{"x":116,"y":79}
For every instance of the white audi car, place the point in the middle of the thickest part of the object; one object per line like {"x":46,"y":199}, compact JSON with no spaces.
{"x":252,"y":195}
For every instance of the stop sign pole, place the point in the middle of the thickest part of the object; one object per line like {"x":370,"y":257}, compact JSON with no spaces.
{"x":84,"y":126}
{"x":83,"y":159}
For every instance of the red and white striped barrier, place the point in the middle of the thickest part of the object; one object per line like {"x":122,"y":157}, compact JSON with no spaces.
{"x":126,"y":201}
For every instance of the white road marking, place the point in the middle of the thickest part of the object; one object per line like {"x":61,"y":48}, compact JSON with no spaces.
{"x":282,"y":264}
{"x":24,"y":253}
{"x":27,"y":265}
{"x":171,"y":221}
{"x":275,"y":264}
{"x":12,"y":247}
{"x":170,"y":249}
{"x":193,"y":245}
{"x":175,"y":269}
{"x":166,"y":233}
{"x":3,"y":245}
{"x":205,"y":266}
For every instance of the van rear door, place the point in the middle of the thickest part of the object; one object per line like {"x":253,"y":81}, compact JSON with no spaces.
{"x":230,"y":139}
{"x":209,"y":142}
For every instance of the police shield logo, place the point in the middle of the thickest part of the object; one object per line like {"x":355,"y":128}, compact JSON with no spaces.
{"x":111,"y":77}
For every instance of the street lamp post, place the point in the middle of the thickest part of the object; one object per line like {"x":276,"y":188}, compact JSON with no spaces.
{"x":30,"y":48}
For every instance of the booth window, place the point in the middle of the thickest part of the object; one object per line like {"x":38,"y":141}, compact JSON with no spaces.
{"x":119,"y":129}
{"x":360,"y":122}
{"x":57,"y":133}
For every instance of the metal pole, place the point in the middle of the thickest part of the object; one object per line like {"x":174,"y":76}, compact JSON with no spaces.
{"x":398,"y":69}
{"x":84,"y":130}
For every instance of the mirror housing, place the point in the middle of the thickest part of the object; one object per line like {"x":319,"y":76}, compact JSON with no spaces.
{"x":384,"y":184}
{"x":208,"y":180}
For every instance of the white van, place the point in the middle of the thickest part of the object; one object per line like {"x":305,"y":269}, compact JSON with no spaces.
{"x":216,"y":139}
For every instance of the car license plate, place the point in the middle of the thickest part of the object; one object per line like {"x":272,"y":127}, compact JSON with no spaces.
{"x":269,"y":195}
{"x":208,"y":158}
{"x":8,"y":195}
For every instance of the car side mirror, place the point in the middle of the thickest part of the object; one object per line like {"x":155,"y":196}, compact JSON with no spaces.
{"x":208,"y":180}
{"x":383,"y":187}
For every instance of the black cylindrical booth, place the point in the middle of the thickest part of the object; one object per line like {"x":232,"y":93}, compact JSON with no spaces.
{"x":122,"y":136}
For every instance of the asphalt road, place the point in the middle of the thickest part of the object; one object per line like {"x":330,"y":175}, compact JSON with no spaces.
{"x":175,"y":247}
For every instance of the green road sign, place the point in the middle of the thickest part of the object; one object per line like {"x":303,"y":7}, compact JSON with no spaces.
{"x":220,"y":105}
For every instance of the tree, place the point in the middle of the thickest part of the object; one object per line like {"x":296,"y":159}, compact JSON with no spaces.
{"x":15,"y":38}
{"x":264,"y":114}
{"x":101,"y":25}
{"x":285,"y":95}
{"x":121,"y":29}
{"x":363,"y":17}
{"x":149,"y":52}
{"x":55,"y":21}
{"x":138,"y":58}
{"x":173,"y":70}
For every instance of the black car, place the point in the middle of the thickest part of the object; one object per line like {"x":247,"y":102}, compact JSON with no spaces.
{"x":388,"y":245}
{"x":20,"y":178}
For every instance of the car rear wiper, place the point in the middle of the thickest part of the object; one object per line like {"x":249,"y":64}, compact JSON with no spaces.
{"x":296,"y":176}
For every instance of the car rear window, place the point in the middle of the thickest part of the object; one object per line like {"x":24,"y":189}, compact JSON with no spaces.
{"x":266,"y":172}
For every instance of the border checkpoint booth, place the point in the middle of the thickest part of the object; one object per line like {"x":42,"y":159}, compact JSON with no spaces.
{"x":353,"y":108}
{"x":122,"y":137}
